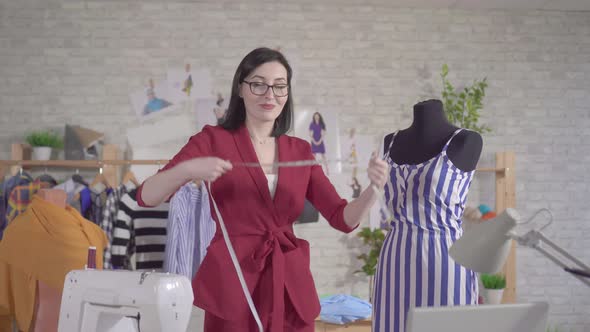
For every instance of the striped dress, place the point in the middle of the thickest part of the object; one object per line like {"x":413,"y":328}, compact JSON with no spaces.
{"x":415,"y":270}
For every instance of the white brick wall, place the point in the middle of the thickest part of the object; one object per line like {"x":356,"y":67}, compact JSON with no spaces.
{"x":77,"y":61}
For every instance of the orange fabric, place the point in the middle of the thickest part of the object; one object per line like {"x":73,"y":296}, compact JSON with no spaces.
{"x":43,"y":243}
{"x":489,"y":215}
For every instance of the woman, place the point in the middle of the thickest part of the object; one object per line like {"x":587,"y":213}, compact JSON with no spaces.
{"x":317,"y":131}
{"x":259,"y":204}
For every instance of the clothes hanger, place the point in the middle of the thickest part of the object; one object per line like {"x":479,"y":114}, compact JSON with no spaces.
{"x":46,"y":177}
{"x":22,"y":174}
{"x":100,"y":180}
{"x":76,"y":177}
{"x":129,"y":176}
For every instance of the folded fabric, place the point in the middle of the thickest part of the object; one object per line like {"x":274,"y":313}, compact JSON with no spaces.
{"x":484,"y":209}
{"x":343,"y":309}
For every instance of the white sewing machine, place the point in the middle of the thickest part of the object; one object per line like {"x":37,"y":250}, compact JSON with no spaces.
{"x":125,"y":301}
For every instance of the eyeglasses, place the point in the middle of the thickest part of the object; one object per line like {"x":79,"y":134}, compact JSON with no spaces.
{"x":260,"y":89}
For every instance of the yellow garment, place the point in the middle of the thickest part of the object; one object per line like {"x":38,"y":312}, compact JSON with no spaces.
{"x":43,"y":243}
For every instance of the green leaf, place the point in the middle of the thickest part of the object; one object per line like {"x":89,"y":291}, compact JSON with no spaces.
{"x":373,"y":239}
{"x":462,"y":108}
{"x":45,"y":138}
{"x":493,"y":281}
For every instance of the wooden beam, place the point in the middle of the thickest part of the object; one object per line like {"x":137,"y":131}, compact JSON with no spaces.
{"x":506,"y":198}
{"x":110,"y":171}
{"x":81,"y":163}
{"x":16,"y":153}
{"x":490,"y":169}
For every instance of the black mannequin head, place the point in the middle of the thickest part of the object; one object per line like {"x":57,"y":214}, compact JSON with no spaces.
{"x":430,"y":104}
{"x":430,"y":117}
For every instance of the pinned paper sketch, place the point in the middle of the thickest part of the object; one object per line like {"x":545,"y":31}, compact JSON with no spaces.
{"x":171,"y":129}
{"x":154,"y":99}
{"x":355,"y":187}
{"x":210,"y":111}
{"x":356,"y":151}
{"x":320,"y":129}
{"x":291,"y":54}
{"x":187,"y":83}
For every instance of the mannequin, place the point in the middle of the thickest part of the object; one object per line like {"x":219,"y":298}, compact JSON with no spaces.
{"x":54,"y":196}
{"x":432,"y":166}
{"x":40,"y":246}
{"x":427,"y":135}
{"x":48,"y":299}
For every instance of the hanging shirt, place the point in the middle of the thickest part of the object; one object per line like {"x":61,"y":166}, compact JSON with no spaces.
{"x":50,"y":242}
{"x":86,"y":203}
{"x":190,"y":229}
{"x":140,"y":231}
{"x":7,"y":186}
{"x":206,"y":228}
{"x":71,"y":188}
{"x":109,"y":217}
{"x":98,"y":198}
{"x":21,"y":197}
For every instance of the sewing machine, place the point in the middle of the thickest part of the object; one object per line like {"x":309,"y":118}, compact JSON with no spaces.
{"x":125,"y":301}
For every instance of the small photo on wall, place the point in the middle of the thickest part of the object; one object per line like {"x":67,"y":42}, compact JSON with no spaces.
{"x":320,"y":129}
{"x":356,"y":152}
{"x":188,"y":83}
{"x":210,"y":110}
{"x":152,"y":100}
{"x":348,"y":186}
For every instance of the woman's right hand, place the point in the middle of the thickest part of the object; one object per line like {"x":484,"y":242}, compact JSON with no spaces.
{"x":206,"y":168}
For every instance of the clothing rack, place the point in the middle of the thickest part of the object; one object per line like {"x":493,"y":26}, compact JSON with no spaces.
{"x":504,"y":172}
{"x":110,"y":163}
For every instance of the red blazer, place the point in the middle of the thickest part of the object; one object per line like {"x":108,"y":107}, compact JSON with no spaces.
{"x":260,"y":227}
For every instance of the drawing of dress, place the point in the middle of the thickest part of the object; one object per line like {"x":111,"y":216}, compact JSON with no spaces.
{"x":316,"y":130}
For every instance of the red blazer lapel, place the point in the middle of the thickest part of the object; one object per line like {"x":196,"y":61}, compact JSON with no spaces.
{"x":246,"y":150}
{"x":283,"y":173}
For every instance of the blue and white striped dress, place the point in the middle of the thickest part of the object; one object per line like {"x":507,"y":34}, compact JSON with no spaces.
{"x":415,"y":270}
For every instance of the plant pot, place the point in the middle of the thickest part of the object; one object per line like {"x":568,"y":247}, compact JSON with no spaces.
{"x":492,"y":296}
{"x":41,"y":153}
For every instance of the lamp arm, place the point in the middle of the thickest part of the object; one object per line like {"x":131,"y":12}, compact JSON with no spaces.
{"x":534,"y":238}
{"x":563,"y":252}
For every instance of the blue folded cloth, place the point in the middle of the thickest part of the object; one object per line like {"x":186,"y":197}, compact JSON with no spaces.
{"x":343,"y":309}
{"x":484,"y":209}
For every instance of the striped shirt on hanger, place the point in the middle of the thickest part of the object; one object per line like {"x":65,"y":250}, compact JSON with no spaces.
{"x":140,"y":231}
{"x":190,"y":230}
{"x":109,"y":218}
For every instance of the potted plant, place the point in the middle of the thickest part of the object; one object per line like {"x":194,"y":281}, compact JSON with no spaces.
{"x":43,"y":142}
{"x":554,"y":329}
{"x":463,"y":107}
{"x":373,"y":239}
{"x":493,"y":287}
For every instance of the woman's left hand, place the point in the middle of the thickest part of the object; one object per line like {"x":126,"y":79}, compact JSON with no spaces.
{"x":378,"y":171}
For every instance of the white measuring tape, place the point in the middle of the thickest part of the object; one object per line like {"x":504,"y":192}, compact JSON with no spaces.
{"x":234,"y":260}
